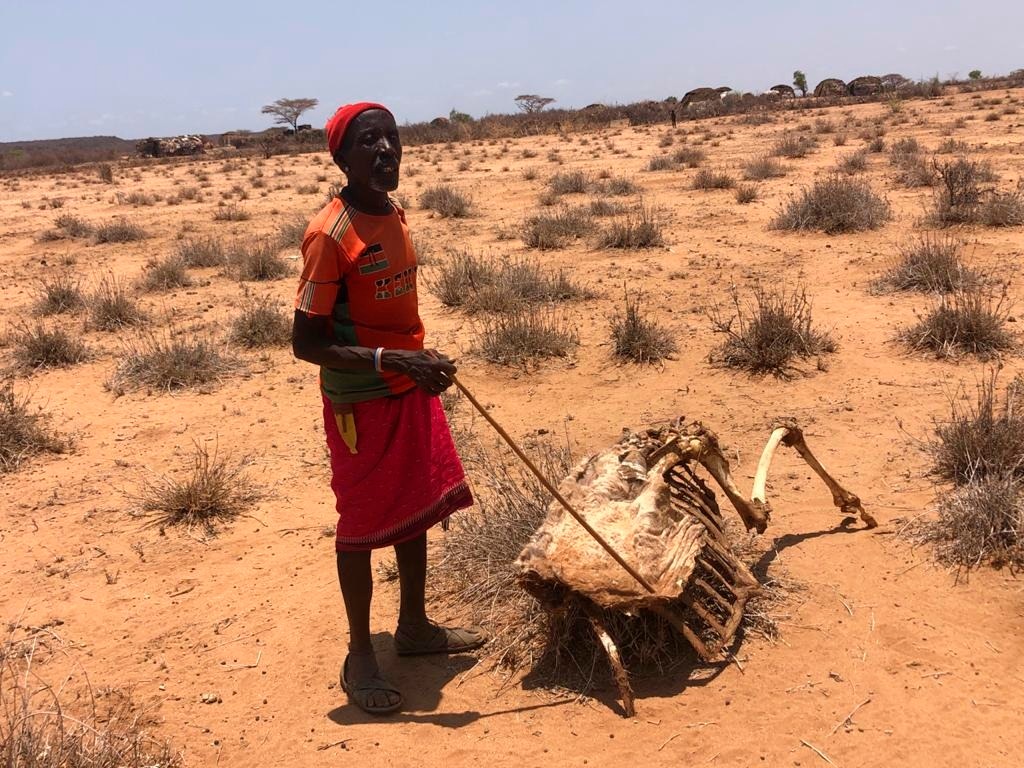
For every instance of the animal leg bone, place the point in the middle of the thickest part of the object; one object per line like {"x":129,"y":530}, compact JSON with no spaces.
{"x":757,"y":494}
{"x":615,"y":660}
{"x":790,"y":434}
{"x":706,"y":450}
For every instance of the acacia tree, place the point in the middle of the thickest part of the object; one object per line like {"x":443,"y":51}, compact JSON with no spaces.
{"x":287,"y":111}
{"x":800,"y":82}
{"x":974,"y":74}
{"x":531,"y":103}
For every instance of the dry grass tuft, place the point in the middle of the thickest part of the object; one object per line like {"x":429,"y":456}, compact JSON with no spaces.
{"x":487,"y":284}
{"x":36,"y":346}
{"x":166,"y":361}
{"x":522,"y":334}
{"x":640,"y":230}
{"x":768,"y":334}
{"x":214,"y":491}
{"x":931,"y":264}
{"x":92,"y":729}
{"x":112,"y":306}
{"x":547,"y":231}
{"x":569,"y":183}
{"x":833,"y":205}
{"x":762,"y":168}
{"x":165,"y":274}
{"x":984,"y":438}
{"x":446,"y":202}
{"x":706,"y":178}
{"x":256,"y":260}
{"x":200,"y":252}
{"x":261,"y":323}
{"x":24,"y":431}
{"x":965,"y":321}
{"x":119,"y":231}
{"x":638,"y":339}
{"x":231,"y":212}
{"x":981,"y":522}
{"x":853,"y":163}
{"x":1002,"y":209}
{"x":59,"y":294}
{"x":746,"y":193}
{"x":793,"y":145}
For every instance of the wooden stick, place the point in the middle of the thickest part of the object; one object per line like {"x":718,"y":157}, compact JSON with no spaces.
{"x":821,"y":754}
{"x":849,"y":717}
{"x":551,"y":488}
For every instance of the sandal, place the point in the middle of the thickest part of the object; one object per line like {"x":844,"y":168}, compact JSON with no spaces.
{"x":441,"y":640}
{"x":358,"y":693}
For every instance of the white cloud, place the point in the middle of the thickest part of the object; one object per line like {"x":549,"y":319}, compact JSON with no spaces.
{"x":506,"y":84}
{"x":5,"y":94}
{"x":951,"y":48}
{"x":561,"y":81}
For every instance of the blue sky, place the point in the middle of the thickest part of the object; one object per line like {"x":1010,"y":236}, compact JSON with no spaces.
{"x":99,"y":67}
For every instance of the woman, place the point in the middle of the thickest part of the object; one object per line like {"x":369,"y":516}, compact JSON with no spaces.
{"x":395,"y":472}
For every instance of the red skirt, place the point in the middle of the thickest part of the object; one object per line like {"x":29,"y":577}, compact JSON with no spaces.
{"x":405,"y":477}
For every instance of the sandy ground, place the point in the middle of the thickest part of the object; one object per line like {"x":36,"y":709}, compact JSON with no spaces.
{"x":253,"y":615}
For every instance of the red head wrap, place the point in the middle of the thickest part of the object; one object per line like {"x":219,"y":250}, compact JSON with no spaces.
{"x":341,"y":120}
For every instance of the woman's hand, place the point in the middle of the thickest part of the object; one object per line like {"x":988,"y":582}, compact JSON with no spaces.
{"x":431,"y":370}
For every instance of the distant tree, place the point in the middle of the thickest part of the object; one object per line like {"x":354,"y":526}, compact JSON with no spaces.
{"x":459,"y":117}
{"x":800,"y":82}
{"x":531,"y":103}
{"x":974,"y":74}
{"x":671,"y":100}
{"x":288,"y":111}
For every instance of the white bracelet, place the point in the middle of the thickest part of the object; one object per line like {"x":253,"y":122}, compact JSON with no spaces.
{"x":377,"y":354}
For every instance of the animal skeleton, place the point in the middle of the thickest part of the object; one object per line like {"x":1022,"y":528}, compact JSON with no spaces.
{"x":646,"y":501}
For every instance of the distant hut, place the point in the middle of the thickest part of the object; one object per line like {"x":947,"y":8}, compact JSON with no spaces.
{"x":865,"y":86}
{"x":893,"y":81}
{"x":698,"y":95}
{"x":440,"y":122}
{"x":830,"y":86}
{"x":783,"y":91}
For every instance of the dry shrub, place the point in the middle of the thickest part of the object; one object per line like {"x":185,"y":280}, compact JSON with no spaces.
{"x":706,"y":178}
{"x":853,"y":163}
{"x":446,"y":202}
{"x":47,"y":726}
{"x":769,"y":333}
{"x":484,"y":283}
{"x":214,"y":491}
{"x":136,"y":199}
{"x":616,"y":186}
{"x":256,"y":260}
{"x":606,"y":208}
{"x":876,"y":144}
{"x":662,"y":163}
{"x":763,"y":168}
{"x":915,"y":171}
{"x":119,"y":231}
{"x":24,"y":431}
{"x":105,"y":172}
{"x":1002,"y":209}
{"x":521,"y":334}
{"x":984,"y":438}
{"x":642,"y":230}
{"x":930,"y":263}
{"x":59,"y":294}
{"x":546,"y":231}
{"x":793,"y":146}
{"x":637,"y":338}
{"x":691,"y":157}
{"x":112,"y":306}
{"x":569,"y":183}
{"x":169,"y":361}
{"x":292,"y":232}
{"x":69,"y":225}
{"x":165,"y":274}
{"x":36,"y":346}
{"x":200,"y":252}
{"x":261,"y":324}
{"x":982,"y":522}
{"x":231,"y":213}
{"x":746,"y":193}
{"x":833,"y":205}
{"x":964,"y":321}
{"x":959,"y":195}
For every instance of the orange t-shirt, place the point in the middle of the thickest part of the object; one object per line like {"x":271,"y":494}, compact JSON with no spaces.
{"x":360,"y":270}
